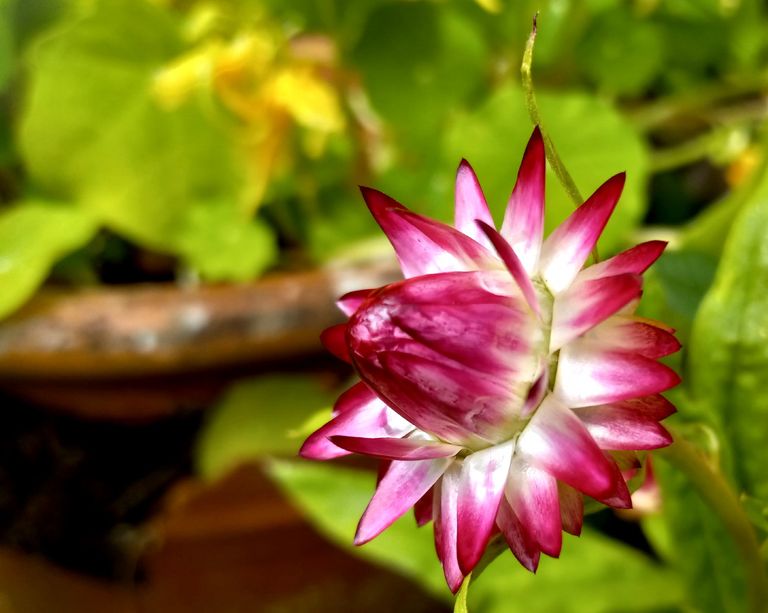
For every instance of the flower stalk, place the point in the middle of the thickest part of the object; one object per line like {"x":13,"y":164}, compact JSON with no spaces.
{"x":553,"y":157}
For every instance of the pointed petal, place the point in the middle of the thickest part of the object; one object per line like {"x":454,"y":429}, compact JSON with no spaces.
{"x":470,"y":204}
{"x":568,"y":247}
{"x":633,"y":261}
{"x":520,"y":541}
{"x":513,"y":265}
{"x":396,"y":448}
{"x":631,"y":424}
{"x":451,"y":250}
{"x":350,"y":302}
{"x":590,"y":375}
{"x":398,"y":491}
{"x":532,"y":493}
{"x":635,"y":335}
{"x":481,"y":487}
{"x":557,"y":442}
{"x":571,"y":509}
{"x":619,"y":497}
{"x":422,"y":510}
{"x":358,"y":412}
{"x":585,"y":305}
{"x":354,"y":398}
{"x":523,"y":224}
{"x":446,"y":499}
{"x":334,"y":340}
{"x":424,"y":246}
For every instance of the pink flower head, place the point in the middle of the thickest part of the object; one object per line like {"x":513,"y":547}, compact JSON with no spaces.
{"x":500,"y":381}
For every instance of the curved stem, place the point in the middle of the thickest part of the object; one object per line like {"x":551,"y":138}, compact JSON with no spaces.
{"x":715,"y":491}
{"x":554,"y":159}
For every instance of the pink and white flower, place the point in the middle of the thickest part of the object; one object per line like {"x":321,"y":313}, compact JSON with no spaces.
{"x":501,"y":381}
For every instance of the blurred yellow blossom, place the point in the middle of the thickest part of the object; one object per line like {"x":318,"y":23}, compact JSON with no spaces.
{"x":271,"y":83}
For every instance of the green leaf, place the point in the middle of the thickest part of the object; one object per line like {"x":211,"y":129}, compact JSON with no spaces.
{"x":94,"y":131}
{"x":223,"y":245}
{"x":729,"y":349}
{"x":493,"y":139}
{"x":616,"y":577}
{"x":410,"y":65}
{"x":259,"y":417}
{"x":33,"y":236}
{"x":621,"y":53}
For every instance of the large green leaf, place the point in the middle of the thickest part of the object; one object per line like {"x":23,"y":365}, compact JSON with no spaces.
{"x":594,"y":573}
{"x":93,"y":131}
{"x":220,"y":245}
{"x":33,"y":236}
{"x":259,"y":417}
{"x":593,"y":140}
{"x":729,"y":349}
{"x":727,"y":371}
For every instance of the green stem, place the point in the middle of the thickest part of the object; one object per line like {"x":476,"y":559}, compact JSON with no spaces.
{"x":554,"y":159}
{"x":715,"y":491}
{"x":460,"y":605}
{"x":495,"y":548}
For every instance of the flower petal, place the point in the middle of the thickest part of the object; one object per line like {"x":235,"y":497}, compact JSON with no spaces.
{"x":481,"y":487}
{"x":589,"y":375}
{"x":449,"y":354}
{"x":586,"y":304}
{"x":424,"y":246}
{"x":485,"y":337}
{"x":396,"y":448}
{"x":633,"y":261}
{"x":631,"y":424}
{"x":358,"y":412}
{"x":350,"y":302}
{"x":532,"y":493}
{"x":515,"y":268}
{"x":334,"y":340}
{"x":454,"y":403}
{"x":523,"y":224}
{"x":518,"y":537}
{"x":571,"y":509}
{"x":568,"y":247}
{"x":635,"y":335}
{"x":470,"y":204}
{"x":398,"y":491}
{"x":446,"y":505}
{"x":422,"y":510}
{"x":557,"y":442}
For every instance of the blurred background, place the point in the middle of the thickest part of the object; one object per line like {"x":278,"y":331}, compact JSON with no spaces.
{"x":179,"y":210}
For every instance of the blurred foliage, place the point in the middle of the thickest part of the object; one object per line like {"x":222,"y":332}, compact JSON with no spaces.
{"x":334,"y":499}
{"x":259,"y":417}
{"x":231,"y":134}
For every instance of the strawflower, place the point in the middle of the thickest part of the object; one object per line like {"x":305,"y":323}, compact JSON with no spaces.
{"x":501,"y":381}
